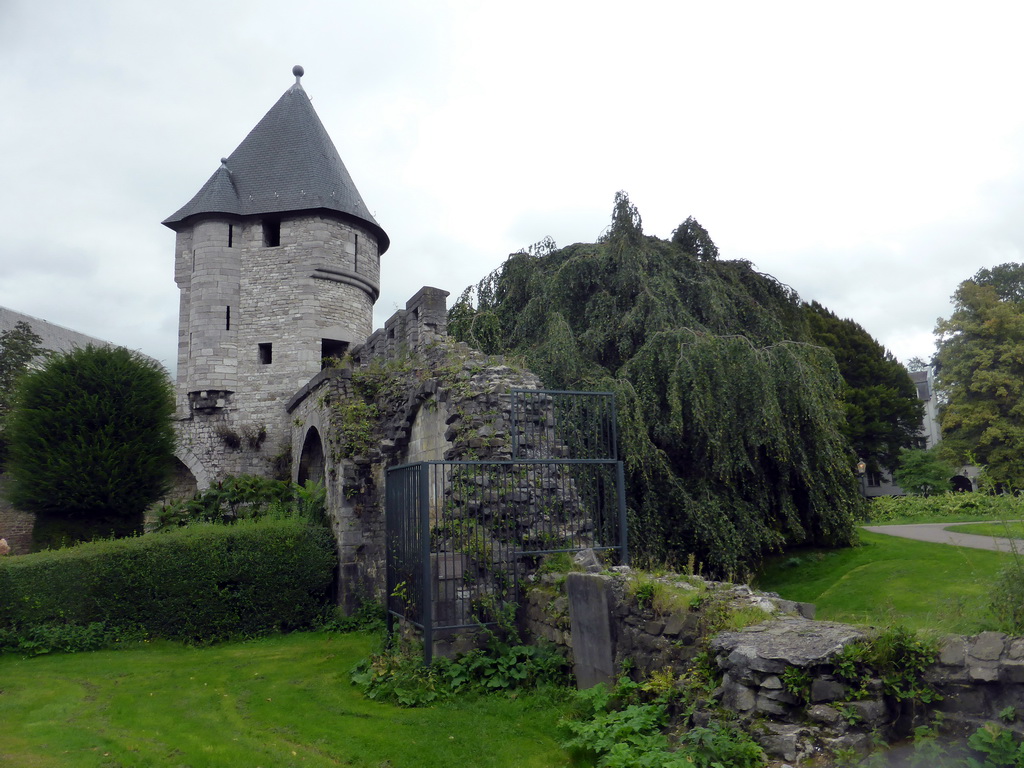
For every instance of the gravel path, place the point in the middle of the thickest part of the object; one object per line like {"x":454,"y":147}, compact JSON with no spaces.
{"x":936,"y":533}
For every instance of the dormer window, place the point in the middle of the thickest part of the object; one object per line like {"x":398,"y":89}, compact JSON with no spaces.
{"x":271,"y":233}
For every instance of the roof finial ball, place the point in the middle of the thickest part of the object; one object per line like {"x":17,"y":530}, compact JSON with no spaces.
{"x":298,"y":71}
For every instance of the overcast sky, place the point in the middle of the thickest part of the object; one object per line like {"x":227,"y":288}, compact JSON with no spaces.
{"x":870,"y":154}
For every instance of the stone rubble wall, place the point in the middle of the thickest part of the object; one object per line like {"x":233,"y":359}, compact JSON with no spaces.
{"x":978,"y":678}
{"x":455,"y":403}
{"x":644,"y":640}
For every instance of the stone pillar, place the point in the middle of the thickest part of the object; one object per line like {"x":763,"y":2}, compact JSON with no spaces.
{"x":593,"y":639}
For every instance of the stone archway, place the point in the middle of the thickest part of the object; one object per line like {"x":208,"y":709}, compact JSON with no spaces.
{"x":961,"y":484}
{"x":184,"y":484}
{"x":193,"y":466}
{"x":311,"y":460}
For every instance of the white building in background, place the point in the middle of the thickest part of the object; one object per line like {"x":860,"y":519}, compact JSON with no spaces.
{"x":881,"y":484}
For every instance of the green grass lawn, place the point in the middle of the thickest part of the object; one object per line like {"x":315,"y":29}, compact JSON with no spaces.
{"x":279,"y":701}
{"x":1013,"y":530}
{"x":887,"y":580}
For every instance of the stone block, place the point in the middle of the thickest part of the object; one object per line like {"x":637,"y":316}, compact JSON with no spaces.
{"x":769,"y":706}
{"x":654,"y":627}
{"x":737,"y":696}
{"x":1016,"y":649}
{"x":674,"y":624}
{"x":872,"y":712}
{"x":782,"y":741}
{"x":772,"y":683}
{"x":823,"y":713}
{"x":988,"y":646}
{"x":827,"y":690}
{"x":1013,"y":671}
{"x":963,"y":698}
{"x":953,"y":650}
{"x":987,"y":673}
{"x":590,"y":599}
{"x":779,"y":695}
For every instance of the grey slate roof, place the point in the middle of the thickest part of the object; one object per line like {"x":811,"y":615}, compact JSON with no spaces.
{"x":286,"y":163}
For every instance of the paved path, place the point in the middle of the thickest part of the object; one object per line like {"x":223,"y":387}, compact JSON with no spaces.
{"x":936,"y":533}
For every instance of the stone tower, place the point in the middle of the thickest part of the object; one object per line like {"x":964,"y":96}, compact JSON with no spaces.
{"x":278,"y":263}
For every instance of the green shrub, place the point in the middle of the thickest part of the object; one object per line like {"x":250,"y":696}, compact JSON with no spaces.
{"x":246,"y":496}
{"x":617,"y":728}
{"x":91,"y":435}
{"x":197,"y":584}
{"x":884,"y":509}
{"x":505,"y":663}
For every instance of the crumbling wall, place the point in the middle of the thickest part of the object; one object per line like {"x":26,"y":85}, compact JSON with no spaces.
{"x":441,"y":401}
{"x":779,"y":676}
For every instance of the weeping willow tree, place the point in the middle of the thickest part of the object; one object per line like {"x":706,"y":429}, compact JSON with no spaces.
{"x":730,"y":423}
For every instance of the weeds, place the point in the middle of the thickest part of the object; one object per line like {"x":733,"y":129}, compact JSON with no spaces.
{"x":629,"y":726}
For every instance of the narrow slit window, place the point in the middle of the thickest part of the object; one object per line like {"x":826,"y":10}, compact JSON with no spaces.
{"x":266,"y":353}
{"x":231,"y":235}
{"x":227,"y":319}
{"x":271,"y":233}
{"x":193,"y":260}
{"x":355,"y":256}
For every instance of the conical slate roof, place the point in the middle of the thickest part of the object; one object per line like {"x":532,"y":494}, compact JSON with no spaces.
{"x":286,"y":163}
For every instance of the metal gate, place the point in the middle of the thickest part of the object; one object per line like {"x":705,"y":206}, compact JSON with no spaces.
{"x":462,"y":534}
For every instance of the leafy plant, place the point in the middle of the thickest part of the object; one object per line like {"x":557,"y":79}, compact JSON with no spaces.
{"x":999,"y":746}
{"x":797,"y":682}
{"x":398,"y":675}
{"x":247,"y":497}
{"x":626,"y":727}
{"x":898,"y":657}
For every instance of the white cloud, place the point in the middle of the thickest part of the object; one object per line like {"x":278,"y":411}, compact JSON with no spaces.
{"x":870,"y":156}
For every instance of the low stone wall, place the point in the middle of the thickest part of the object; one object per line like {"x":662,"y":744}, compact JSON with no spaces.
{"x":779,"y":676}
{"x":977,"y":680}
{"x":563,"y":609}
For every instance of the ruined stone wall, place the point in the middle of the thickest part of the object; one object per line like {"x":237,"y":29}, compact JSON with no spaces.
{"x":442,"y":402}
{"x":779,"y":676}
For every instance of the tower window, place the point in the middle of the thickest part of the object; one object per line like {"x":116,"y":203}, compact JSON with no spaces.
{"x":266,"y":352}
{"x":271,"y":233}
{"x":355,"y":256}
{"x":331,"y":352}
{"x":227,"y":319}
{"x":231,"y":235}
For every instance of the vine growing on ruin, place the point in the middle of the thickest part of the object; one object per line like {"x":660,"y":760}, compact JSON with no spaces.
{"x":730,"y":422}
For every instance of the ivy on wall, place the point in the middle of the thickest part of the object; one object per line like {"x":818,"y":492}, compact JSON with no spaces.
{"x":730,"y":422}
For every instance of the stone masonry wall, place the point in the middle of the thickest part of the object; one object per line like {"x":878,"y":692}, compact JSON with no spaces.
{"x":766,"y":665}
{"x":442,"y":401}
{"x":256,"y":322}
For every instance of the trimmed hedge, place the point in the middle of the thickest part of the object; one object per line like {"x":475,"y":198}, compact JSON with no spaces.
{"x":883,"y":509}
{"x":197,"y":584}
